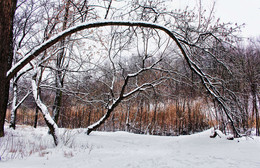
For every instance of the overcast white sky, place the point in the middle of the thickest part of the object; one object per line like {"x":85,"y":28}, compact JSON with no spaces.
{"x":235,"y":11}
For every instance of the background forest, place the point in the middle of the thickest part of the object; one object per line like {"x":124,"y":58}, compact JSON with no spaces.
{"x":134,"y":78}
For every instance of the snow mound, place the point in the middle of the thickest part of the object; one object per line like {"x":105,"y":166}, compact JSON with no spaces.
{"x":127,"y":150}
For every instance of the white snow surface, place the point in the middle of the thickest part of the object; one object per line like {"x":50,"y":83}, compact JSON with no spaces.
{"x":126,"y":150}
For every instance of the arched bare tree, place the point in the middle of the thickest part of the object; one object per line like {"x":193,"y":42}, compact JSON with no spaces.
{"x":189,"y":41}
{"x":205,"y":79}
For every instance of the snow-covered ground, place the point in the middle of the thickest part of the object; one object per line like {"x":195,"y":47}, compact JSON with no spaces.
{"x":33,"y":148}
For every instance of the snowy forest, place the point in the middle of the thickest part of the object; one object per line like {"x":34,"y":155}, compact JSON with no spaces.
{"x":137,"y":66}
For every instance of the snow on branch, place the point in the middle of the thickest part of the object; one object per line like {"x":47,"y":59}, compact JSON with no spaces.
{"x":87,"y":25}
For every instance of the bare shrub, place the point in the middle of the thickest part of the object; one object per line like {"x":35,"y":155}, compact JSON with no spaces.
{"x":68,"y":154}
{"x":16,"y":146}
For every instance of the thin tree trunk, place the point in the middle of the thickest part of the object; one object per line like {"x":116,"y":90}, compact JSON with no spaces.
{"x":36,"y":111}
{"x":59,"y":75}
{"x":14,"y":109}
{"x":153,"y":126}
{"x":255,"y":108}
{"x":89,"y":115}
{"x":36,"y":117}
{"x":127,"y":118}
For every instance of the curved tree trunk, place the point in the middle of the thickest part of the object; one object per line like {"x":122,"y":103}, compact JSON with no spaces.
{"x":110,"y":109}
{"x":43,"y":108}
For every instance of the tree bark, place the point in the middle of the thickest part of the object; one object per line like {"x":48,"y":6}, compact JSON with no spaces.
{"x":7,"y":10}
